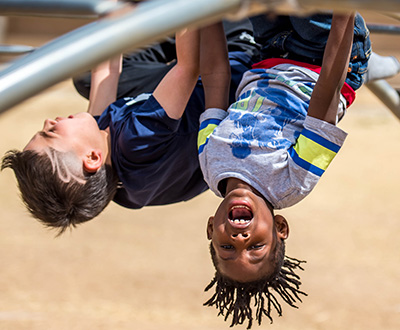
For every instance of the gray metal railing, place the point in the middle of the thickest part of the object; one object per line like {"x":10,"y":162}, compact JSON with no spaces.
{"x":57,"y":8}
{"x":15,"y":49}
{"x":387,"y":94}
{"x":152,"y":20}
{"x":81,"y":49}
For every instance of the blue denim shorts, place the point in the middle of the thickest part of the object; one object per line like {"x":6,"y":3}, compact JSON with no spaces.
{"x":304,"y":39}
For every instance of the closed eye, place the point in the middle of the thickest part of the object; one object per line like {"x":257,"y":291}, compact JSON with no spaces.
{"x":43,"y":134}
{"x":47,"y":134}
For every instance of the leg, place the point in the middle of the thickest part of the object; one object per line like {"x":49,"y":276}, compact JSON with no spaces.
{"x":270,"y":33}
{"x":141,"y":71}
{"x":304,"y":39}
{"x":310,"y":39}
{"x":297,"y":38}
{"x":239,"y":37}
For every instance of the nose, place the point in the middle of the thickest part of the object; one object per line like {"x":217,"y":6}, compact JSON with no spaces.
{"x":49,"y":123}
{"x":240,"y":236}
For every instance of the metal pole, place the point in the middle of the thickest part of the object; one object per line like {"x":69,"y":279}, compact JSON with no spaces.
{"x":384,"y":29}
{"x":15,"y":49}
{"x":81,"y":49}
{"x":152,"y":20}
{"x":57,"y":8}
{"x":299,"y":6}
{"x":387,"y":94}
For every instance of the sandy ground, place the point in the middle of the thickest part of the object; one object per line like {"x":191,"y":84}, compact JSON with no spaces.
{"x":146,"y":269}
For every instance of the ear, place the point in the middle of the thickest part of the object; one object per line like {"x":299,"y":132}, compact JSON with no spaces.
{"x":282,"y":227}
{"x":210,"y":227}
{"x":93,"y":161}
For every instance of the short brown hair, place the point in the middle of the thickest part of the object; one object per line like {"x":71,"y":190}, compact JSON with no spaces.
{"x":53,"y":201}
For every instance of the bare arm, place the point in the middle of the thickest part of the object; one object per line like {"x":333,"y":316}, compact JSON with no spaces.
{"x":105,"y":76}
{"x":326,"y":95}
{"x":104,"y":85}
{"x":174,"y":90}
{"x":214,"y":66}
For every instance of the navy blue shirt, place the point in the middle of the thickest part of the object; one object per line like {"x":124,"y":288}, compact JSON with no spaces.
{"x":155,"y":156}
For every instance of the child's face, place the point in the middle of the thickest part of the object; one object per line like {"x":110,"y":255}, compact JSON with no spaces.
{"x":66,"y":134}
{"x":244,"y":236}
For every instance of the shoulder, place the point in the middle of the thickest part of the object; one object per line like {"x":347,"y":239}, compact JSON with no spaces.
{"x":124,"y":109}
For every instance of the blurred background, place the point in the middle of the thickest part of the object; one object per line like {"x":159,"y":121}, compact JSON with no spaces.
{"x":146,"y":269}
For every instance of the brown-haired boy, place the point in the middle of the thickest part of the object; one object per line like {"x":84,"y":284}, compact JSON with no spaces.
{"x":71,"y":169}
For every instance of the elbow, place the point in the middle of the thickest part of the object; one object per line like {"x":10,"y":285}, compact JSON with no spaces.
{"x":187,"y":72}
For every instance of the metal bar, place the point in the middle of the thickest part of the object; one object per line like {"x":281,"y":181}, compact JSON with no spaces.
{"x":384,"y":29}
{"x":57,"y":8}
{"x":374,"y":5}
{"x":79,"y":50}
{"x":15,"y":49}
{"x":304,"y":6}
{"x":387,"y":94}
{"x":152,"y":20}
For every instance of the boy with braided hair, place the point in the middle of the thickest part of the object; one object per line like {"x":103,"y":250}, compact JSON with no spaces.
{"x":268,"y":150}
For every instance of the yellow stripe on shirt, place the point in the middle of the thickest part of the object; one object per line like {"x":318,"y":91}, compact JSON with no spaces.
{"x":204,"y":134}
{"x":314,"y":153}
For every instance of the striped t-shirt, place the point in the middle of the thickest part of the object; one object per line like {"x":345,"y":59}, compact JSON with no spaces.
{"x":266,"y":138}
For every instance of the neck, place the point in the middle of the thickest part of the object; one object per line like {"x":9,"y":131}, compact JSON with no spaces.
{"x":233,"y":183}
{"x":107,"y":145}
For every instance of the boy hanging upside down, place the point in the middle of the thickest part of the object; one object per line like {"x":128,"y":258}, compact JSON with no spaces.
{"x":139,"y":150}
{"x":269,"y":149}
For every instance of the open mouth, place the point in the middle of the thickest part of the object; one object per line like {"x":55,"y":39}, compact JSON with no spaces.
{"x":240,"y":216}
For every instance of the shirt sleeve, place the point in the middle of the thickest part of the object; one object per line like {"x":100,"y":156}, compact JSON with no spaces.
{"x":209,"y":120}
{"x":317,"y":145}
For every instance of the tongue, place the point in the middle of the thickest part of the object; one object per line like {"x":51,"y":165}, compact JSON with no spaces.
{"x":241,"y":213}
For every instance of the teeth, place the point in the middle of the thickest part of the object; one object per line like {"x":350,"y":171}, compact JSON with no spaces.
{"x":241,"y":207}
{"x":240,"y":221}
